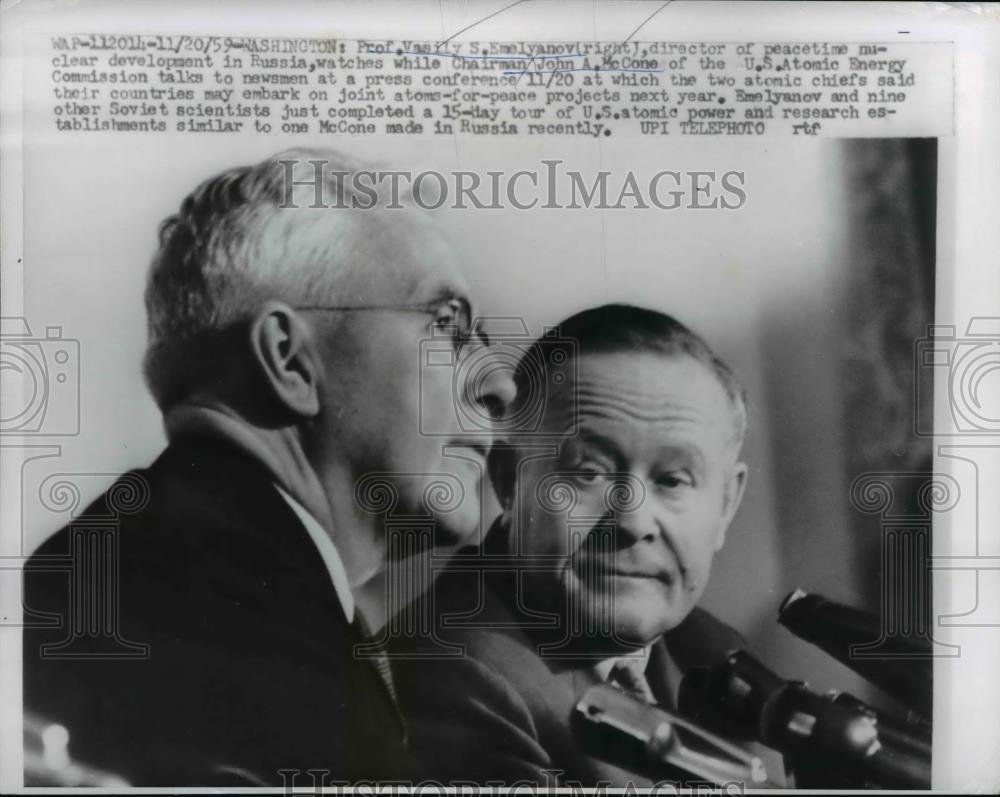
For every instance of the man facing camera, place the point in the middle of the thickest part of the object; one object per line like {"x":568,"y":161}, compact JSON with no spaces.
{"x":196,"y":624}
{"x":614,"y":504}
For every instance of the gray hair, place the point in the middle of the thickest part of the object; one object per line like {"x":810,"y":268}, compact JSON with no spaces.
{"x":236,"y":242}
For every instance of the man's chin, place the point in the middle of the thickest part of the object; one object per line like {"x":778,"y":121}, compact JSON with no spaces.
{"x":639,"y":632}
{"x":628,"y":627}
{"x":458,"y":527}
{"x":639,"y":623}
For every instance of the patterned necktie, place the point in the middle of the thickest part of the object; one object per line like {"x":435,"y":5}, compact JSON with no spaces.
{"x":373,"y":650}
{"x":629,"y":674}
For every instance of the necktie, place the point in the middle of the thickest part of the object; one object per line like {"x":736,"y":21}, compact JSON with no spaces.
{"x":373,"y":650}
{"x":629,"y":674}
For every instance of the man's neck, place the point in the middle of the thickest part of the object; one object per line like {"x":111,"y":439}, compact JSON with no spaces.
{"x":360,"y":545}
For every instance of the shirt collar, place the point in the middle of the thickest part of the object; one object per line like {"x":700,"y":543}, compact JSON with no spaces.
{"x":328,"y":551}
{"x":603,"y":668}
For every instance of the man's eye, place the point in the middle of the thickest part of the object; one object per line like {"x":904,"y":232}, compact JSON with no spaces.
{"x":589,"y":472}
{"x":674,"y":479}
{"x":446,"y":319}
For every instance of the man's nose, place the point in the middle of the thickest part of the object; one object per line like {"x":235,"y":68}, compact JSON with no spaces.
{"x":492,"y":386}
{"x":633,"y":511}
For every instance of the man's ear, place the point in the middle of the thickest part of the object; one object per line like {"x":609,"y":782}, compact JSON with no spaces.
{"x":287,"y":358}
{"x":736,"y":485}
{"x":501,"y":463}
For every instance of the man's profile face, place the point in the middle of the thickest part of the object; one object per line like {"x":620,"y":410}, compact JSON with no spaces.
{"x":377,"y":391}
{"x":653,"y":467}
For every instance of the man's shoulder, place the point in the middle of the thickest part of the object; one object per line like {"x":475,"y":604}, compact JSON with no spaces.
{"x":488,"y":653}
{"x":136,"y":500}
{"x":467,"y":610}
{"x":190,"y":488}
{"x":199,"y":532}
{"x":480,"y":700}
{"x":226,"y":638}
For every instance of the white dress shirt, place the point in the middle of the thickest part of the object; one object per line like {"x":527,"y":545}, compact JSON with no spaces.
{"x":603,"y":668}
{"x":328,"y":552}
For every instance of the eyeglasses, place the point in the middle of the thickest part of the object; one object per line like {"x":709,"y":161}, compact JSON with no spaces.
{"x":451,"y":316}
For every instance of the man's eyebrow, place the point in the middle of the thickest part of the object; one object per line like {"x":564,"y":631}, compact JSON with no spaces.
{"x":685,"y":450}
{"x":604,"y":444}
{"x":445,"y":292}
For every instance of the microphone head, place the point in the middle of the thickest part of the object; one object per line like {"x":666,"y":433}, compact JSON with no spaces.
{"x":795,"y":595}
{"x":899,"y":664}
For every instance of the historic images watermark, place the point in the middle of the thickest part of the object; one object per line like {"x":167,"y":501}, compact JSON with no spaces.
{"x":546,"y":187}
{"x":41,"y":381}
{"x":318,"y":781}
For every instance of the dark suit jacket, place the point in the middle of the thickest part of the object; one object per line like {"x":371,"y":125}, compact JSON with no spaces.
{"x":227,"y":657}
{"x":482,"y":704}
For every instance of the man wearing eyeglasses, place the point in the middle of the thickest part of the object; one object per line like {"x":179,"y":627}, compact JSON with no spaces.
{"x":284,"y":353}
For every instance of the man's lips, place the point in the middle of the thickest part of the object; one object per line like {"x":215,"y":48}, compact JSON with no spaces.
{"x":662,"y":577}
{"x":665,"y":574}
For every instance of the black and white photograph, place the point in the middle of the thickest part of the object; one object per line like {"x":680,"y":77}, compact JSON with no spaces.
{"x":499,"y":396}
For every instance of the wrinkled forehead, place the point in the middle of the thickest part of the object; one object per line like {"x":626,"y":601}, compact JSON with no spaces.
{"x":640,"y":390}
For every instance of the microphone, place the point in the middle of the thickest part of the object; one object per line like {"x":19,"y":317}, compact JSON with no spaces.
{"x":835,"y":734}
{"x":837,"y":630}
{"x":896,"y":732}
{"x":612,"y":725}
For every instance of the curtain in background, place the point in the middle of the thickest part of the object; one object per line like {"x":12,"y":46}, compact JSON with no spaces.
{"x":891,"y":187}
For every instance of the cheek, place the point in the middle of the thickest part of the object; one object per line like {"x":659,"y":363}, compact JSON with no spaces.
{"x":701,"y":554}
{"x":436,"y":387}
{"x":389,"y":355}
{"x":396,"y":388}
{"x":704,"y":520}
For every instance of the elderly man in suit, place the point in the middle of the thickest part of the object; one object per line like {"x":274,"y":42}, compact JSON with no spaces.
{"x":211,"y":637}
{"x":618,"y":484}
